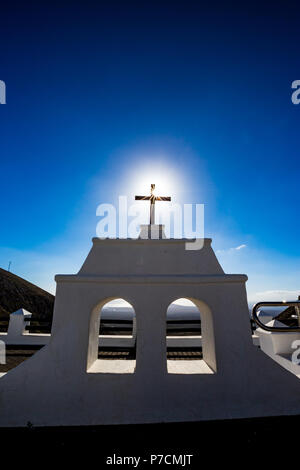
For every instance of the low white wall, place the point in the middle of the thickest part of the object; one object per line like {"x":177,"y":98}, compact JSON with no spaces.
{"x":117,"y":341}
{"x":278,"y":346}
{"x":18,"y":335}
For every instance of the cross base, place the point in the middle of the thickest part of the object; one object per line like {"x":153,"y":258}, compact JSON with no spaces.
{"x":152,"y":232}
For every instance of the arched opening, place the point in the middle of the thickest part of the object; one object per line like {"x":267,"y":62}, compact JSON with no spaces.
{"x":112,"y":338}
{"x":190,"y":338}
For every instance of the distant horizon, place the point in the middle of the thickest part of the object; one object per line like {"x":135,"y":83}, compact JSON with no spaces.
{"x":186,"y":304}
{"x":271,"y":295}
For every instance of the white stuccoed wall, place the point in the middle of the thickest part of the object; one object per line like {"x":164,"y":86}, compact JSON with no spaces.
{"x":17,"y":333}
{"x":65,"y":383}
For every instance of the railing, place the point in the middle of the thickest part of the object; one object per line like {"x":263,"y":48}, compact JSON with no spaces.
{"x":37,"y":326}
{"x":261,"y":325}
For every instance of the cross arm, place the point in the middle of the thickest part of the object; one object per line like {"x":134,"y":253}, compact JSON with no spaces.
{"x":142,"y":198}
{"x":163,"y":198}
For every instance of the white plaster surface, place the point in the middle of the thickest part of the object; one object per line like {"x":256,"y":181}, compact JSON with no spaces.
{"x":36,"y":339}
{"x":110,"y":366}
{"x":188,"y":367}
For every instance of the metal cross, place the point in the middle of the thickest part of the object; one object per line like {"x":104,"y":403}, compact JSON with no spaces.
{"x":152,"y":198}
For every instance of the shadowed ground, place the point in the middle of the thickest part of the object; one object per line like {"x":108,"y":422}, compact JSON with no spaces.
{"x":230,"y":443}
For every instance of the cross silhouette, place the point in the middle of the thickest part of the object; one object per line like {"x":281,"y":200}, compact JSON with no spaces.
{"x":152,"y":198}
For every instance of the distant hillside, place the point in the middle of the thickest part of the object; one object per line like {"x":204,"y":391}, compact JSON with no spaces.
{"x":17,"y":293}
{"x":288,"y":317}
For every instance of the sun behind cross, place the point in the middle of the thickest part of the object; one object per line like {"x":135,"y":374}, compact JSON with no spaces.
{"x":152,"y":198}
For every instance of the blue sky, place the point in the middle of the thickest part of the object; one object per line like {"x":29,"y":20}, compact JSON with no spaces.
{"x":101,"y":93}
